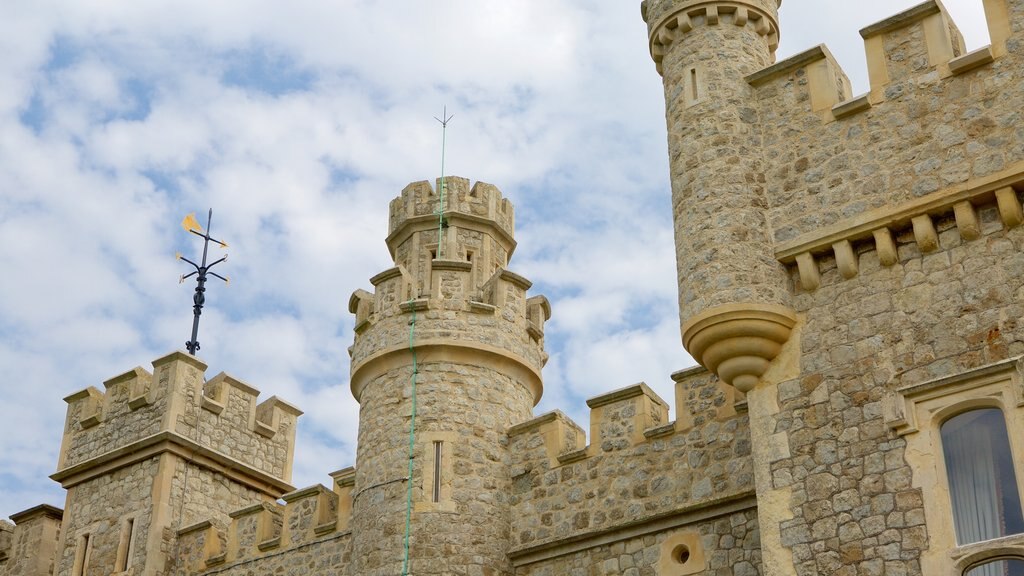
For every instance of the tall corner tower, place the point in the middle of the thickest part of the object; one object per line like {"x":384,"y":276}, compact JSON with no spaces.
{"x":450,"y":336}
{"x":733,"y":295}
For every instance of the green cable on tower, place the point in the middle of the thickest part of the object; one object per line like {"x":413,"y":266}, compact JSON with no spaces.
{"x":412,"y":350}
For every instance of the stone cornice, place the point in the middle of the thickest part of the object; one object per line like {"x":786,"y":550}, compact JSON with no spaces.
{"x":37,"y":511}
{"x":444,"y":350}
{"x":427,"y":222}
{"x":171,"y":442}
{"x":878,"y":226}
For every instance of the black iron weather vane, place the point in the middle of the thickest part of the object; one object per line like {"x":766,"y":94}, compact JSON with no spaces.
{"x":201,"y":272}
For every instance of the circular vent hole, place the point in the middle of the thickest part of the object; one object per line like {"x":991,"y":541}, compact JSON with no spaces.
{"x":681,"y":554}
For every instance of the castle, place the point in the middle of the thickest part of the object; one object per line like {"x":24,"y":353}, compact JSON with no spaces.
{"x":851,"y":279}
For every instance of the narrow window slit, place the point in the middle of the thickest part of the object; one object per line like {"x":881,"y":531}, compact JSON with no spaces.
{"x":693,"y":84}
{"x":125,"y":546}
{"x":81,"y":556}
{"x":437,"y":471}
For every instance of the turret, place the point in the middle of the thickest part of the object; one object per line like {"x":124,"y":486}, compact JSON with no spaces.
{"x":157,"y":451}
{"x":452,"y":321}
{"x":734,"y":301}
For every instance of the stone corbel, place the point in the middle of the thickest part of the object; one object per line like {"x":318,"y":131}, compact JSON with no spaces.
{"x":738,"y":341}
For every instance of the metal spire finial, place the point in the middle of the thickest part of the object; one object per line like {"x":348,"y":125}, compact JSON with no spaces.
{"x":201,"y":271}
{"x":444,"y":120}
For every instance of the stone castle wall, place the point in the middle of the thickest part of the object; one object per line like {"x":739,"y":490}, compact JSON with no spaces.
{"x":890,"y":223}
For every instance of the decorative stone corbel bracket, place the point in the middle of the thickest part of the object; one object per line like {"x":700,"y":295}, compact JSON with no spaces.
{"x":738,"y":341}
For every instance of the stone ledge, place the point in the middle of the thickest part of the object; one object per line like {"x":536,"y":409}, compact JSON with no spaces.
{"x":152,"y":446}
{"x":971,"y":60}
{"x":876,"y":226}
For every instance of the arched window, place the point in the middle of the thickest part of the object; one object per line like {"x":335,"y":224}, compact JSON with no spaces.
{"x":1006,"y":567}
{"x":982,"y":483}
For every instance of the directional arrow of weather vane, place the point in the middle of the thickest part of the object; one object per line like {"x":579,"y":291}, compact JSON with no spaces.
{"x":201,"y":272}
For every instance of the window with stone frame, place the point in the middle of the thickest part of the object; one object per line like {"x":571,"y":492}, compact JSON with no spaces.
{"x":999,"y":567}
{"x":961,"y":434}
{"x":982,"y":483}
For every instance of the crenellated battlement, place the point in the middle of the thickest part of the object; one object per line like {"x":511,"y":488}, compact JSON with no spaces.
{"x":481,"y":200}
{"x":176,"y":404}
{"x":920,"y":46}
{"x":313,"y":515}
{"x":638,"y":464}
{"x":928,"y":141}
{"x":670,"y":21}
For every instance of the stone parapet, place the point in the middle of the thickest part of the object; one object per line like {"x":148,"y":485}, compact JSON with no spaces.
{"x":221,"y":415}
{"x":638,"y":466}
{"x":310,"y":517}
{"x":462,"y":299}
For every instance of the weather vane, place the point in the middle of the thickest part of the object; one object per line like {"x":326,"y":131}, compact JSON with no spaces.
{"x":201,"y":271}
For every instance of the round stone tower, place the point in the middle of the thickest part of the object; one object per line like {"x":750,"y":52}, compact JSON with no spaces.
{"x":450,"y":319}
{"x":733,"y":294}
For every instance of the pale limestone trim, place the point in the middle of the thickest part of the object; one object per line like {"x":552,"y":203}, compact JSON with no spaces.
{"x":669,"y":563}
{"x":967,"y":220}
{"x":443,"y":350}
{"x":972,"y":60}
{"x":965,"y":557}
{"x":876,"y":225}
{"x":685,"y":516}
{"x":810,"y":275}
{"x":997,"y":16}
{"x":916,"y":412}
{"x":738,"y":341}
{"x":344,"y":487}
{"x":558,"y":432}
{"x":901,"y":407}
{"x":885,"y":246}
{"x":160,"y":519}
{"x":851,"y":106}
{"x":646,"y":402}
{"x":212,"y":545}
{"x":846,"y":259}
{"x":909,"y":17}
{"x":424,"y":500}
{"x":924,"y":233}
{"x":1010,"y":210}
{"x":173,"y":443}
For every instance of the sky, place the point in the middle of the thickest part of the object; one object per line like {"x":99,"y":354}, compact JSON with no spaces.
{"x":297,"y":123}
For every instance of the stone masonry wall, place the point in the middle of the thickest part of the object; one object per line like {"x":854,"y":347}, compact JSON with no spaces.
{"x":98,"y":507}
{"x":935,"y":312}
{"x":730,"y":547}
{"x":925,"y":317}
